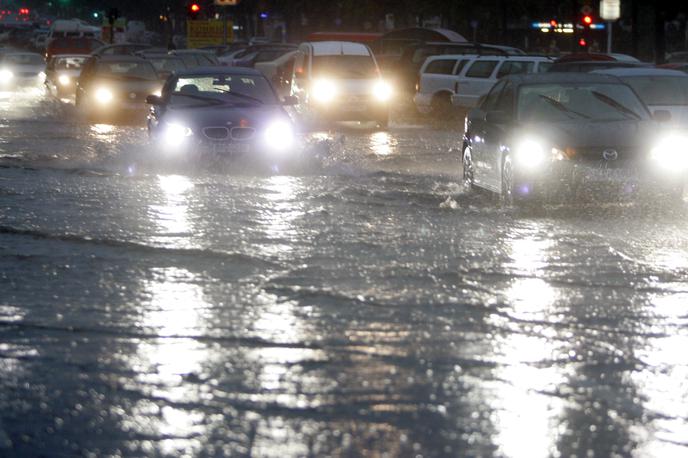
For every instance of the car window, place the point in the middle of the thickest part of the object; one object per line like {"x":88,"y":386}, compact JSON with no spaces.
{"x":481,"y":69}
{"x":194,"y":90}
{"x":506,"y":99}
{"x":511,"y":67}
{"x":491,"y":99}
{"x":660,"y":90}
{"x":544,"y":66}
{"x":127,"y":70}
{"x":441,"y":67}
{"x":460,"y":66}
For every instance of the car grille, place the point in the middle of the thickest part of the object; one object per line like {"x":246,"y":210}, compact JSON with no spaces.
{"x":595,"y":156}
{"x":216,"y":133}
{"x":243,"y":133}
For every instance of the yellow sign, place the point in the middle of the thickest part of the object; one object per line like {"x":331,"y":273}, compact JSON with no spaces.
{"x":207,"y":33}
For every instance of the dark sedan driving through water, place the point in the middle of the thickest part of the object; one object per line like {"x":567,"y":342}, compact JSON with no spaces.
{"x":557,"y":136}
{"x":227,"y":111}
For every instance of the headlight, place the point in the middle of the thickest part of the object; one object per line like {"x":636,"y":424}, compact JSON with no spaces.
{"x":41,"y":77}
{"x":279,"y":135}
{"x":672,"y":153}
{"x":103,"y":95}
{"x":382,"y":91}
{"x":176,"y":133}
{"x":157,"y":93}
{"x":530,"y":154}
{"x":64,"y":80}
{"x":324,"y":91}
{"x":6,"y":76}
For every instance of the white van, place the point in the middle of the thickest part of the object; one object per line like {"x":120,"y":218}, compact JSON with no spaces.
{"x":339,"y":81}
{"x":460,"y":80}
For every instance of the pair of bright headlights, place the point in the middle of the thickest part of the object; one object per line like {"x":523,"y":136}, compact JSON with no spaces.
{"x":671,"y":153}
{"x":7,"y":76}
{"x":325,"y":90}
{"x":277,"y":136}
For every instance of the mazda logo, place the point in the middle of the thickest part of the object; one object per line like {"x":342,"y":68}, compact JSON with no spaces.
{"x":610,"y":155}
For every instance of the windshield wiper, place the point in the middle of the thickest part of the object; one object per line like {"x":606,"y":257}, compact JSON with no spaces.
{"x":561,"y":107}
{"x":614,"y":104}
{"x":201,"y":97}
{"x":240,"y":95}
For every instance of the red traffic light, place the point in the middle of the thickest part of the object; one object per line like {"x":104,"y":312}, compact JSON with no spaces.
{"x":195,"y":8}
{"x":587,"y":19}
{"x":24,"y":11}
{"x":582,"y":42}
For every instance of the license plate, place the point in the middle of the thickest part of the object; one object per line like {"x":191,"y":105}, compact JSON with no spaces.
{"x":609,"y":175}
{"x":230,"y":148}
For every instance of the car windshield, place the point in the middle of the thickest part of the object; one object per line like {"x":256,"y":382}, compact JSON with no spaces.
{"x":127,"y":70}
{"x":660,"y":90}
{"x":222,"y":89}
{"x":345,"y":66}
{"x":167,"y":64}
{"x":565,"y":102}
{"x":69,"y":63}
{"x":23,"y":59}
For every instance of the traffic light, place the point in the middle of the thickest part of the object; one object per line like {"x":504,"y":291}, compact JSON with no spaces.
{"x":194,"y":9}
{"x":587,"y":20}
{"x":582,"y":43}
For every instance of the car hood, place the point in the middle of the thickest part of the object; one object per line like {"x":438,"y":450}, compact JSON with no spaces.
{"x":588,"y":138}
{"x":255,"y":116}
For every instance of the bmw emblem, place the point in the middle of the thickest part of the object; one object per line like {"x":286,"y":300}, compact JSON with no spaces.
{"x":610,"y":155}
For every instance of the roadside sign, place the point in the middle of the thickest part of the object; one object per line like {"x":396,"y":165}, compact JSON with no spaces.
{"x":207,"y":33}
{"x":610,"y":10}
{"x":226,"y":2}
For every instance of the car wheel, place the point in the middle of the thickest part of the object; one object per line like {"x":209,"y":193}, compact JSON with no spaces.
{"x":506,"y":197}
{"x":441,"y":106}
{"x":467,"y":168}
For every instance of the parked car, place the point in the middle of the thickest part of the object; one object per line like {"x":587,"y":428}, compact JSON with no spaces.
{"x":21,"y":69}
{"x":165,"y":64}
{"x":196,"y":58}
{"x":558,"y":135}
{"x":261,"y":53}
{"x":460,"y":80}
{"x":71,"y":45}
{"x":116,"y":86}
{"x":221,"y":110}
{"x":339,"y":81}
{"x":62,"y":73}
{"x":406,"y":69}
{"x":279,"y":71}
{"x":660,"y":89}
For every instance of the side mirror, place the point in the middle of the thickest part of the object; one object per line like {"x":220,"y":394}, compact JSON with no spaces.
{"x":290,"y":100}
{"x":498,"y":117}
{"x":662,"y":115}
{"x":154,"y":100}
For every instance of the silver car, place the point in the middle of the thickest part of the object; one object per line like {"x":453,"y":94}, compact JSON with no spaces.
{"x":21,"y":69}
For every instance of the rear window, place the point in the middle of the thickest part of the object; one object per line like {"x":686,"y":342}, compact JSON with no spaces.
{"x":515,"y":67}
{"x":481,"y":69}
{"x":127,"y":70}
{"x":345,"y":66}
{"x":441,"y":67}
{"x":660,"y":90}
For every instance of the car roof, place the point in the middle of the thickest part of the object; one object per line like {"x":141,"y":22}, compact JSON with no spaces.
{"x":553,"y":78}
{"x":208,"y":71}
{"x":526,"y":58}
{"x":120,"y":58}
{"x":333,"y":48}
{"x":641,"y":71}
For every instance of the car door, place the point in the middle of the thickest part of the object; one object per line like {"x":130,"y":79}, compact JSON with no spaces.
{"x":483,"y":169}
{"x":477,"y":80}
{"x":494,"y":135}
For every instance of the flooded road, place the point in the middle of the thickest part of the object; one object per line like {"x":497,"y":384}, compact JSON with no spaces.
{"x":361,"y":304}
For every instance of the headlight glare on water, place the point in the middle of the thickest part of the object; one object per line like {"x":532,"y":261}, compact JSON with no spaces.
{"x":324,"y":90}
{"x":103,"y":96}
{"x":382,"y":91}
{"x":672,"y":153}
{"x":279,"y":135}
{"x":530,"y":154}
